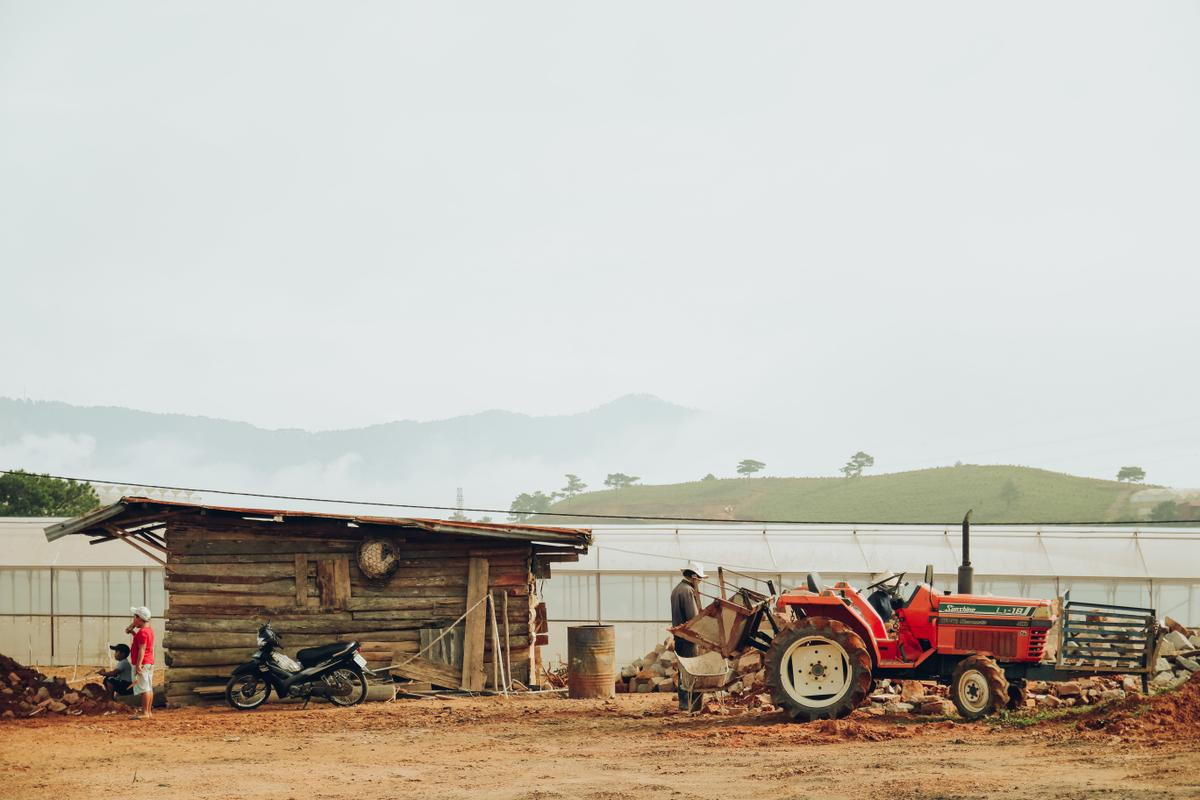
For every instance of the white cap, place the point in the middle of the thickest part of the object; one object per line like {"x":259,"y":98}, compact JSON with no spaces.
{"x":696,"y":567}
{"x":141,"y":612}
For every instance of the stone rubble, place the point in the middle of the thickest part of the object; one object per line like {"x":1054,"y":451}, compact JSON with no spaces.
{"x":25,"y":692}
{"x":1179,"y":657}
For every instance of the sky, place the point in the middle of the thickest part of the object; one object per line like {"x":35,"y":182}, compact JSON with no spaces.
{"x":935,"y":231}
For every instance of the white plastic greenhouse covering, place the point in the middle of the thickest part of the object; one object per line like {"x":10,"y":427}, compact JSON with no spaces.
{"x":66,"y":600}
{"x":628,"y":574}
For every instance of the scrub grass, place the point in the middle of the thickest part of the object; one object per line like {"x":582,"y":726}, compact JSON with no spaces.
{"x":996,"y":494}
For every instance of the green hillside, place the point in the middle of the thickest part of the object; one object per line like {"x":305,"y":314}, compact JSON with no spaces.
{"x":995,"y":493}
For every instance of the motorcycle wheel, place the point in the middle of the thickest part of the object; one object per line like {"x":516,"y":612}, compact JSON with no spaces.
{"x":355,"y":679}
{"x":247,"y":692}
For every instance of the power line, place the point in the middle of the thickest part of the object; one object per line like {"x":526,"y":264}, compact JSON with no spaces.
{"x":627,"y":517}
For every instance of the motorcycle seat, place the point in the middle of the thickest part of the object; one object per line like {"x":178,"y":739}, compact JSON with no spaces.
{"x":315,"y":655}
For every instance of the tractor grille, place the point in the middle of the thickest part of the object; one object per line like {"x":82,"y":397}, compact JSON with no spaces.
{"x":1037,"y":642}
{"x":998,"y":643}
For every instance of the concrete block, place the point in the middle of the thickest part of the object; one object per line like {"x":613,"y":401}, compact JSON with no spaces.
{"x":1190,"y":664}
{"x":1178,"y":641}
{"x":937,"y":707}
{"x":1066,"y":689}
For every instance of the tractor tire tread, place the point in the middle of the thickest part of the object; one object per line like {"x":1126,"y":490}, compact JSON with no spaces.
{"x":997,"y":684}
{"x":860,"y":662}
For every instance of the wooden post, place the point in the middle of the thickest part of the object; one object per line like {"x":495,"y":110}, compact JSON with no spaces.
{"x":721,"y":580}
{"x":473,"y":677}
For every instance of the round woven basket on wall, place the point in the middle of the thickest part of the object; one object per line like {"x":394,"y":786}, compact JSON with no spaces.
{"x":378,"y":559}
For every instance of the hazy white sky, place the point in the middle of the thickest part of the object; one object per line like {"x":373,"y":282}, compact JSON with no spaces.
{"x":936,"y":231}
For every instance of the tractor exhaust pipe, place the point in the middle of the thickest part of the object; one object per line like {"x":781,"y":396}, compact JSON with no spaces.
{"x":966,"y":573}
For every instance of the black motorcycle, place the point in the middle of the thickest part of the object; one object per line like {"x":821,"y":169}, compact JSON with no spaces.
{"x":333,"y":671}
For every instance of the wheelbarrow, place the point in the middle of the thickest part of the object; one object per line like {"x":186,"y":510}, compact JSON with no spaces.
{"x":699,"y":674}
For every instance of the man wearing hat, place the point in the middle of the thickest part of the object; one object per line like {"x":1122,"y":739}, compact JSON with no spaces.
{"x":142,"y":658}
{"x":685,"y":604}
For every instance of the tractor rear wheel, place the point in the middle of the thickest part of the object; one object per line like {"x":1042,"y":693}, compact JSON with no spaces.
{"x":978,"y":687}
{"x":818,"y":669}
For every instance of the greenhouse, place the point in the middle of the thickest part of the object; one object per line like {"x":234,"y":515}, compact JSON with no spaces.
{"x":67,"y":600}
{"x":628,"y":574}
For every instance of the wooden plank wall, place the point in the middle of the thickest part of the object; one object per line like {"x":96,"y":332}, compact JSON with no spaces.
{"x":226,"y":576}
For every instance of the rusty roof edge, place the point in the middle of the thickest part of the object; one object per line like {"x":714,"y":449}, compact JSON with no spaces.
{"x":533,"y":533}
{"x":530,"y":533}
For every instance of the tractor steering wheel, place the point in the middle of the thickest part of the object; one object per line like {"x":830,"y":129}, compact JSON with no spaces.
{"x":894,"y":588}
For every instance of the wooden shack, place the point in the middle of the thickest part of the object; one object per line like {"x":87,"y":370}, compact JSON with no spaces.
{"x":383,"y":581}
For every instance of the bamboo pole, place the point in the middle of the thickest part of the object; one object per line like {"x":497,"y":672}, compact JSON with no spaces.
{"x":507,"y":648}
{"x":498,"y":675}
{"x":495,"y":655}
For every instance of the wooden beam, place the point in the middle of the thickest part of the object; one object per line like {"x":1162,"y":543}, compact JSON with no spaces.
{"x":420,"y":669}
{"x":301,"y":574}
{"x":473,"y":676}
{"x":149,"y":541}
{"x":333,"y":581}
{"x":117,"y":533}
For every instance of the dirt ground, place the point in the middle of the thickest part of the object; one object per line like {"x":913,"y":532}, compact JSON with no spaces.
{"x":547,"y":748}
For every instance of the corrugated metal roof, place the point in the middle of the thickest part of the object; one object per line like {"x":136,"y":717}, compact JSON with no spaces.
{"x":533,"y":533}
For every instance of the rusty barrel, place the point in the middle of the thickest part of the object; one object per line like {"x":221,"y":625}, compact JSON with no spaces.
{"x":591,"y":661}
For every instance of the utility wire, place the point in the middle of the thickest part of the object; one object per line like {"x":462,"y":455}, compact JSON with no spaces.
{"x":627,"y":517}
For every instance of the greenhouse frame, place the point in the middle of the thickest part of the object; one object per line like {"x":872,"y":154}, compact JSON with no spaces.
{"x":65,"y":601}
{"x":627,"y":576}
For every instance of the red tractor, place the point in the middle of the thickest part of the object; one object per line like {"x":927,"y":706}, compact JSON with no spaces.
{"x":825,"y":646}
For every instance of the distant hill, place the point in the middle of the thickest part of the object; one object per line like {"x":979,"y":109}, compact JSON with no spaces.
{"x":995,"y":493}
{"x":492,"y":454}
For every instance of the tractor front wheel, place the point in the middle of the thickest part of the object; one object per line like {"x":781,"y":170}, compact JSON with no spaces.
{"x":978,"y":687}
{"x":818,"y":669}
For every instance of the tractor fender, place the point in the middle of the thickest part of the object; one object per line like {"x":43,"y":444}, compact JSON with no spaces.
{"x":832,"y":607}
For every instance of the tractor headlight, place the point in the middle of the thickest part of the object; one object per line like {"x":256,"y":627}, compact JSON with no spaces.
{"x":1041,"y":612}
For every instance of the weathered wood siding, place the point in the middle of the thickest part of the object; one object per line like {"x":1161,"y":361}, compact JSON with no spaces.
{"x":226,"y":576}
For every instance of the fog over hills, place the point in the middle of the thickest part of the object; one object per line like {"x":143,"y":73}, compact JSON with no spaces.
{"x":495,"y":455}
{"x":492,"y":455}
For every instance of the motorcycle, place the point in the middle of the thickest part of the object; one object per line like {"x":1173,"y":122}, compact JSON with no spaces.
{"x":334,"y":671}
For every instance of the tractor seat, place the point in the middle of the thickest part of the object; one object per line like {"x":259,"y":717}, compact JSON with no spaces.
{"x":315,"y":655}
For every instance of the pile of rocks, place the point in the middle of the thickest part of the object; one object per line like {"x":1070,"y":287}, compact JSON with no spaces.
{"x":657,"y":671}
{"x":1178,"y":654}
{"x":1178,"y":658}
{"x":25,"y":692}
{"x":909,"y":697}
{"x":1081,"y":692}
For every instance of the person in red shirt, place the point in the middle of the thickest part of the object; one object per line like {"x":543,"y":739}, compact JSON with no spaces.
{"x":141,"y":656}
